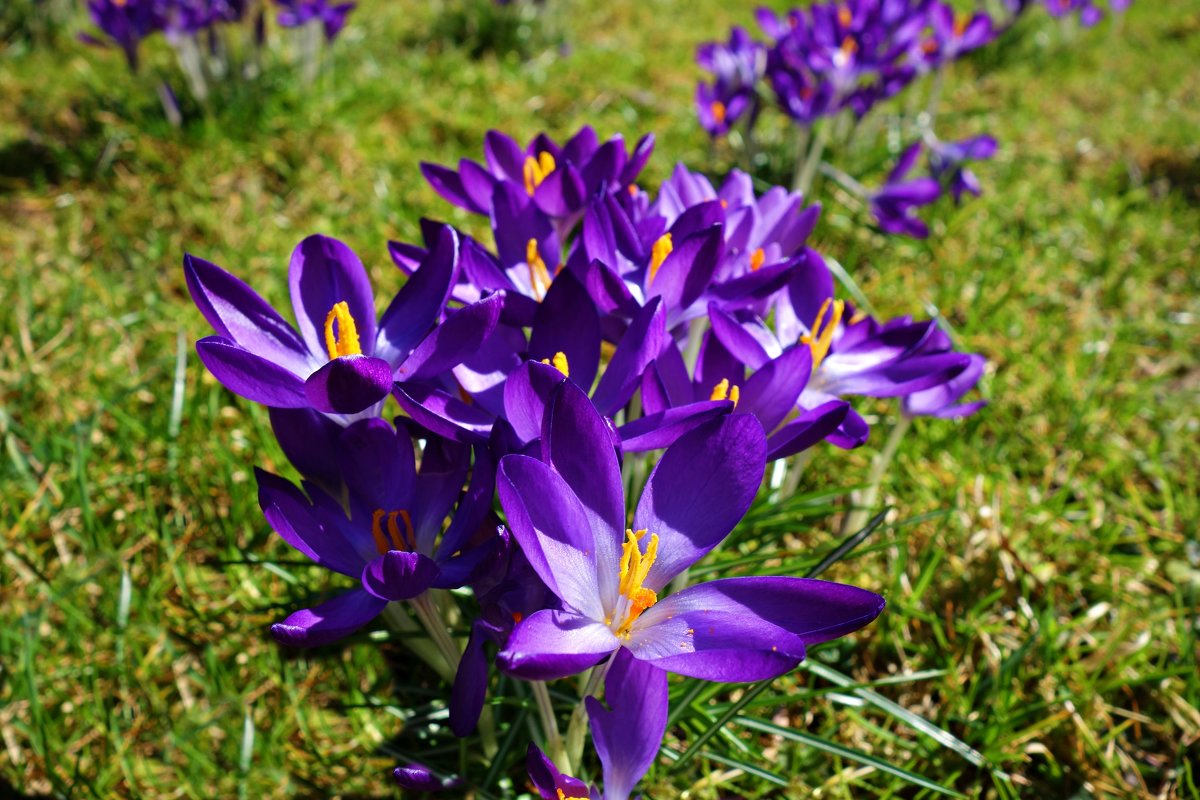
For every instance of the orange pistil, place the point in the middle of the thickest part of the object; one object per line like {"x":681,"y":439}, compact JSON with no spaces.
{"x":718,"y":111}
{"x":845,"y":17}
{"x":961,"y":21}
{"x":756,"y":259}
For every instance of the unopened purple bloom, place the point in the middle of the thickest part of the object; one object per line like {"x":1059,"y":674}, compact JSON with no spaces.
{"x":568,"y":513}
{"x":947,"y":163}
{"x":389,"y":535}
{"x":126,"y":22}
{"x":340,"y":362}
{"x":895,"y":203}
{"x":420,"y":778}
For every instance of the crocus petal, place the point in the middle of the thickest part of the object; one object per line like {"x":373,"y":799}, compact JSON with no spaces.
{"x":628,"y":736}
{"x":661,"y":429}
{"x":452,"y":342}
{"x":378,"y":464}
{"x":470,"y":684}
{"x":322,"y":273}
{"x":578,"y":445}
{"x":399,"y":575}
{"x":349,"y":384}
{"x":526,"y":393}
{"x":771,"y":392}
{"x":700,"y":488}
{"x":561,"y":193}
{"x":688,"y":270}
{"x":420,"y":778}
{"x":816,"y":611}
{"x":253,"y":377}
{"x":746,"y":338}
{"x":641,"y":344}
{"x":419,"y":302}
{"x":290,"y":514}
{"x":548,"y":781}
{"x":555,"y":644}
{"x":236,"y":312}
{"x":567,"y":322}
{"x":504,"y":156}
{"x":806,"y":430}
{"x":446,"y":182}
{"x":443,"y":414}
{"x":309,"y":439}
{"x":332,"y":620}
{"x":555,"y":531}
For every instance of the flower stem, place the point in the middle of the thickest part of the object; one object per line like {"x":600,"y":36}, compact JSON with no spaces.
{"x":577,"y":728}
{"x":554,"y":742}
{"x":423,"y":648}
{"x":864,"y":504}
{"x":428,"y":614}
{"x":806,"y":171}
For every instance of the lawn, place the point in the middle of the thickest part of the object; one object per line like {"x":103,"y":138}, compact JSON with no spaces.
{"x":1040,"y":559}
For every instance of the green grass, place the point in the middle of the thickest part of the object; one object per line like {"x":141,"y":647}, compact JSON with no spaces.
{"x":1041,"y":560}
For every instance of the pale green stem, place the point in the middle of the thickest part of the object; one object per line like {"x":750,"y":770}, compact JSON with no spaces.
{"x":695,"y":339}
{"x":427,"y":612}
{"x":796,"y":472}
{"x":554,"y":742}
{"x":806,"y":173}
{"x":425,"y":649}
{"x":864,"y":503}
{"x":577,"y":728}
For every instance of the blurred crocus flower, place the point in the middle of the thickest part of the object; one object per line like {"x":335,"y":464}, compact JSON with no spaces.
{"x":389,"y":534}
{"x":125,"y":22}
{"x":568,"y":514}
{"x":627,"y":729}
{"x":331,"y":16}
{"x":895,"y":204}
{"x":948,"y":160}
{"x":737,"y":67}
{"x":560,"y":179}
{"x":953,"y":35}
{"x":340,"y":362}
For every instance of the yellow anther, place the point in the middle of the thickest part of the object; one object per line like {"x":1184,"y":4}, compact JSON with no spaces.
{"x":718,"y":111}
{"x":659,"y":252}
{"x":820,"y":337}
{"x":845,"y":16}
{"x":395,"y":539}
{"x":633,"y":190}
{"x":961,"y":21}
{"x":756,"y":259}
{"x":849,"y":46}
{"x":342,"y":339}
{"x":560,"y":363}
{"x":723,"y":391}
{"x":635,"y":566}
{"x":536,"y":170}
{"x":539,"y":276}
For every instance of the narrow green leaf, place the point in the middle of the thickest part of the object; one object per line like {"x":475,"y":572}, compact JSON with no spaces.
{"x":848,"y":753}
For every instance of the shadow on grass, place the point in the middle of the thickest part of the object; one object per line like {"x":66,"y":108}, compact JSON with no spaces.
{"x":9,"y":792}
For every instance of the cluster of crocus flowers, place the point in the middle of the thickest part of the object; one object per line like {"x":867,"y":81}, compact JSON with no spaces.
{"x":691,"y":337}
{"x":197,"y":31}
{"x":827,"y":66}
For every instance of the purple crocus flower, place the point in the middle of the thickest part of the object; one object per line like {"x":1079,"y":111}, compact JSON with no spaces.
{"x":340,"y":362}
{"x":947,"y":163}
{"x":853,"y":354}
{"x":737,"y":67}
{"x":895,"y":204}
{"x":568,"y":514}
{"x":389,"y":534}
{"x":560,"y":180}
{"x":943,"y":400}
{"x":298,"y":13}
{"x":125,"y":22}
{"x":953,"y":34}
{"x":627,"y":734}
{"x":762,"y":380}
